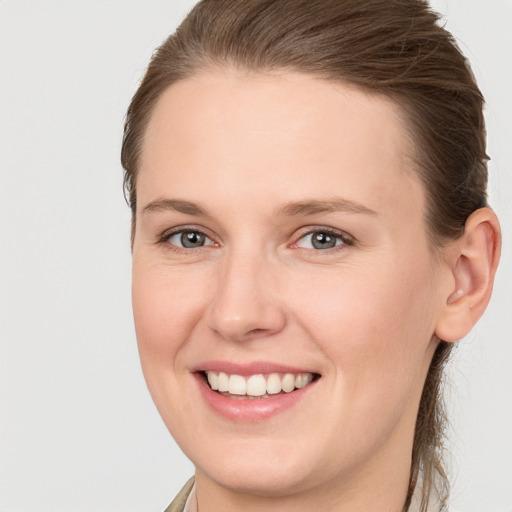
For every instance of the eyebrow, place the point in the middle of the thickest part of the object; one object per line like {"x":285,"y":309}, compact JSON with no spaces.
{"x":297,"y":208}
{"x":313,"y":207}
{"x":178,"y":205}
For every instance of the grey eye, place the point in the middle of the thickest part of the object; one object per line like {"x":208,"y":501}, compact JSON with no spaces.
{"x":320,"y":240}
{"x":192,"y":239}
{"x":189,"y":239}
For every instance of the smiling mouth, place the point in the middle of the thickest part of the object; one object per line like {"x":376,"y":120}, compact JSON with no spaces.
{"x":257,"y":386}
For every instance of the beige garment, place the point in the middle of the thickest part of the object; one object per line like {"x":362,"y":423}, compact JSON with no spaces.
{"x":178,"y":503}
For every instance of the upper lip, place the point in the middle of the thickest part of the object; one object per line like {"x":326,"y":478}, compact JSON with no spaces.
{"x":253,"y":368}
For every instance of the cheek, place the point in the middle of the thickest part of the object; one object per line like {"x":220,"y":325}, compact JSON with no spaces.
{"x":166,"y":307}
{"x":374,"y":325}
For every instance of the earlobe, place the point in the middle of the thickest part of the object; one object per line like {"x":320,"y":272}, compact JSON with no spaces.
{"x":475,"y":257}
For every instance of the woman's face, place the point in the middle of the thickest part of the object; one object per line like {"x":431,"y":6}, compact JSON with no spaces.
{"x":280,"y":230}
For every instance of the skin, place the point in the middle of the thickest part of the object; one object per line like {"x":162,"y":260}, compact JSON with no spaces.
{"x":363,"y":315}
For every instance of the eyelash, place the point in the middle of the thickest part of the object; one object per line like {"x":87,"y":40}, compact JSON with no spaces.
{"x":165,"y":238}
{"x":341,"y":236}
{"x":344,"y":238}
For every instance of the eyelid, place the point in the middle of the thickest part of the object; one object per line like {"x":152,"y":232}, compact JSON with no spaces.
{"x":166,"y":235}
{"x":347,"y":240}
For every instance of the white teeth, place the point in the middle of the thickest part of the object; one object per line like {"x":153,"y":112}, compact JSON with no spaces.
{"x":273,"y":384}
{"x":303,"y":379}
{"x":237,"y":385}
{"x":257,"y":385}
{"x":288,"y":383}
{"x":213,"y":380}
{"x":223,"y":382}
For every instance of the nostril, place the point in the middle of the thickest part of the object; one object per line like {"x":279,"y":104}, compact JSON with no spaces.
{"x":256,"y":332}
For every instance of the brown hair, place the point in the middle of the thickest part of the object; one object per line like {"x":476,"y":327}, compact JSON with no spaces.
{"x":396,"y":48}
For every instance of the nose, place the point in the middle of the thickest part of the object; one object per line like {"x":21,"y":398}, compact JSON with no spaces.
{"x":246,"y":303}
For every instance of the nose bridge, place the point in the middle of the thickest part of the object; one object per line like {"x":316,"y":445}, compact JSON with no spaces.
{"x":245,"y":304}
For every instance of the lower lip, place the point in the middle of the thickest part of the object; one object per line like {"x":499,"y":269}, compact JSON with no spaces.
{"x":250,"y":410}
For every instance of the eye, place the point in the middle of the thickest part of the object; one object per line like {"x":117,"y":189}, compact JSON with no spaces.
{"x":322,"y":239}
{"x":189,"y":239}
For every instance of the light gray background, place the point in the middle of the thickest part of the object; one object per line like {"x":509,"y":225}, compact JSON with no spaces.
{"x":78,"y":431}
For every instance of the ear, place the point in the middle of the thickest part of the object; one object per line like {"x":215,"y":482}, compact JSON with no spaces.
{"x":473,"y":260}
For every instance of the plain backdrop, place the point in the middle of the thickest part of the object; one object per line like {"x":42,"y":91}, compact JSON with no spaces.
{"x":78,"y":430}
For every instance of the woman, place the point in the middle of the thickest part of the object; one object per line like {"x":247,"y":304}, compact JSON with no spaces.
{"x":310,"y":235}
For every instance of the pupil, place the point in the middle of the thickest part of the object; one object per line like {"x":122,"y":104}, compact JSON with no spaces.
{"x":192,"y":239}
{"x":323,"y":241}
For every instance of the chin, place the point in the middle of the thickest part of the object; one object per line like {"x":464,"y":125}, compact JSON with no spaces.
{"x":269,"y":478}
{"x":265,"y":467}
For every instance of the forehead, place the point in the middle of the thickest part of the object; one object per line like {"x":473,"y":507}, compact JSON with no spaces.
{"x":258,"y":132}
